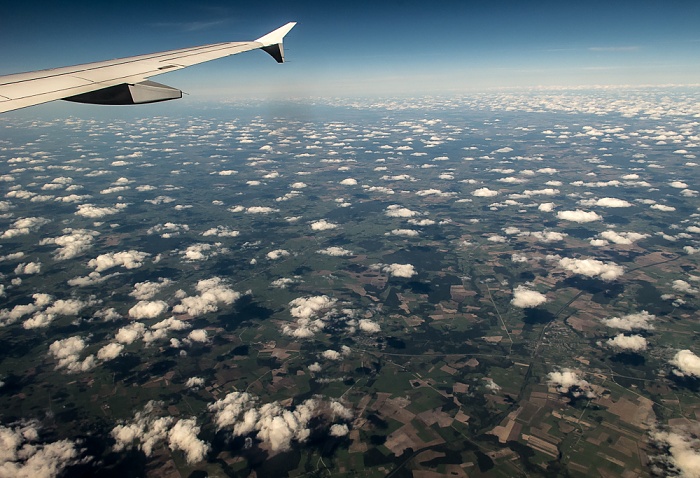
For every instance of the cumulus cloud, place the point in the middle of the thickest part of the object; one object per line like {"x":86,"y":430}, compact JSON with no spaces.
{"x":220,"y":231}
{"x":683,"y":287}
{"x":405,"y":232}
{"x":336,"y":251}
{"x":126,"y":259}
{"x":110,"y":351}
{"x":212,"y":293}
{"x":545,"y":236}
{"x":606,"y":202}
{"x":147,"y":290}
{"x":606,"y":271}
{"x":130,"y":333}
{"x":323,"y":225}
{"x":307,"y":311}
{"x":277,"y":254}
{"x":682,"y":445}
{"x":24,"y":226}
{"x":624,"y":238}
{"x":546,"y":207}
{"x":397,"y":211}
{"x":73,"y":243}
{"x":637,"y":321}
{"x":28,"y":268}
{"x":145,"y":309}
{"x":662,"y":207}
{"x":348,"y":182}
{"x":568,"y":381}
{"x":202,"y":251}
{"x":276,"y":426}
{"x":686,"y":364}
{"x":147,"y":431}
{"x":635,"y":343}
{"x":67,"y":352}
{"x":398,"y":270}
{"x":579,"y":216}
{"x":484,"y":193}
{"x":524,"y":297}
{"x":23,"y":455}
{"x":369,"y":326}
{"x":93,"y":212}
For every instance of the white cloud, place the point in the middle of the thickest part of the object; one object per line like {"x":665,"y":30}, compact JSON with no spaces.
{"x":323,"y":225}
{"x":277,"y":254}
{"x":67,"y":352}
{"x":399,"y":270}
{"x":636,"y":343}
{"x":606,"y":271}
{"x":110,"y":351}
{"x":524,"y":297}
{"x":638,"y":321}
{"x":260,"y":210}
{"x":662,"y":207}
{"x":484,"y":193}
{"x":369,"y":326}
{"x":28,"y":268}
{"x":220,"y":231}
{"x":624,"y":238}
{"x":130,"y":333}
{"x":397,"y":211}
{"x":686,"y":363}
{"x":147,"y":290}
{"x":606,"y":202}
{"x":405,"y":232}
{"x":546,"y":207}
{"x":678,"y":184}
{"x":198,"y":335}
{"x":683,"y":456}
{"x":148,"y":309}
{"x":212,"y":293}
{"x":194,"y":382}
{"x":336,"y":251}
{"x":24,"y":226}
{"x":568,"y":381}
{"x":73,"y":243}
{"x":93,"y":212}
{"x":579,"y":216}
{"x":23,"y":456}
{"x":339,"y":430}
{"x":183,"y":436}
{"x":348,"y":182}
{"x":684,"y":287}
{"x":127,"y":259}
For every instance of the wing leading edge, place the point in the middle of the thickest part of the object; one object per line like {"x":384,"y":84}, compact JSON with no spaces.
{"x":123,"y":81}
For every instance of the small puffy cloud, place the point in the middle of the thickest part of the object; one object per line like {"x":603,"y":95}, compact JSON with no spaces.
{"x":73,"y":243}
{"x":397,"y":211}
{"x":110,"y":351}
{"x":147,"y":290}
{"x":399,"y":270}
{"x":569,"y":381}
{"x":606,"y":271}
{"x":525,"y":298}
{"x":198,"y":335}
{"x":683,"y":287}
{"x":682,"y":445}
{"x":637,"y":321}
{"x":606,"y":202}
{"x":405,"y":232}
{"x":28,"y":268}
{"x":130,"y":333}
{"x":67,"y":352}
{"x":336,"y":252}
{"x":212,"y":293}
{"x":348,"y":182}
{"x":624,"y":238}
{"x":24,"y":456}
{"x":24,"y":226}
{"x":127,"y":259}
{"x":678,"y":184}
{"x":322,"y":225}
{"x":545,"y":236}
{"x":220,"y":231}
{"x":579,"y":216}
{"x":183,"y":436}
{"x":686,"y":364}
{"x":662,"y":207}
{"x":277,"y":254}
{"x":546,"y":207}
{"x":148,"y":309}
{"x":260,"y":210}
{"x":635,"y":343}
{"x":201,"y":251}
{"x":484,"y":193}
{"x":369,"y":326}
{"x":339,"y":430}
{"x":331,"y":355}
{"x":194,"y":382}
{"x":421,"y":222}
{"x":93,"y":212}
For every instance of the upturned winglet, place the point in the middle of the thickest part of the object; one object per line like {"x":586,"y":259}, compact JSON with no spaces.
{"x":272,"y":42}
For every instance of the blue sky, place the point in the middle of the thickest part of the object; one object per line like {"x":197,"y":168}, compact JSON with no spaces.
{"x":390,"y":47}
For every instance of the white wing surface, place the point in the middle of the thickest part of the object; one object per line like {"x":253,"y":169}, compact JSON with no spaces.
{"x":123,"y":81}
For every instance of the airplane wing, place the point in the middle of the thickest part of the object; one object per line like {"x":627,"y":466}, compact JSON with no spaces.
{"x":123,"y":81}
